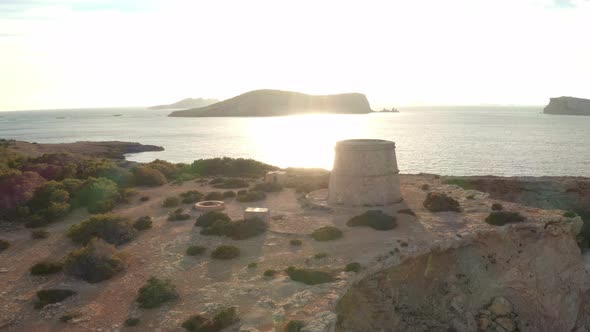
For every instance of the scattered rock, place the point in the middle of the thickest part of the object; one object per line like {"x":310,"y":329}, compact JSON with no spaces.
{"x":500,"y":307}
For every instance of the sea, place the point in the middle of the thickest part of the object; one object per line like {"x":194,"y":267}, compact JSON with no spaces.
{"x":478,"y":140}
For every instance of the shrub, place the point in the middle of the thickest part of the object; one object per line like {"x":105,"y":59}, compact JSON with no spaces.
{"x":407,"y":211}
{"x":213,"y":196}
{"x":125,"y":194}
{"x":200,"y":323}
{"x":4,"y":245}
{"x":375,"y":219}
{"x":253,"y":265}
{"x":39,"y":234}
{"x":132,"y":322}
{"x":156,"y":292}
{"x":45,"y":268}
{"x":294,"y":326}
{"x":326,"y":233}
{"x":425,"y":187}
{"x":570,"y":214}
{"x":295,"y":242}
{"x":470,"y":196}
{"x":229,"y":194}
{"x":95,"y":262}
{"x":144,"y":199}
{"x":195,"y":250}
{"x":50,"y":296}
{"x":217,"y":181}
{"x":225,"y":252}
{"x":268,"y":187}
{"x":230,"y":167}
{"x":241,"y":192}
{"x":171,"y":202}
{"x":143,"y":223}
{"x":251,"y":196}
{"x":438,"y":202}
{"x":270,"y":273}
{"x":309,"y":277}
{"x":109,"y":227}
{"x":98,"y":195}
{"x":191,"y":196}
{"x":500,"y":218}
{"x":148,"y":176}
{"x":178,"y":215}
{"x":320,"y":255}
{"x":497,"y":207}
{"x":232,"y":183}
{"x":237,"y":230}
{"x":353,"y":267}
{"x":209,"y":218}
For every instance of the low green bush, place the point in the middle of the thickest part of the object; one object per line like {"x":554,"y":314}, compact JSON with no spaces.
{"x":253,"y":265}
{"x":171,"y":202}
{"x":45,"y":268}
{"x":225,"y":252}
{"x":241,"y":192}
{"x":497,"y":207}
{"x":308,"y":276}
{"x":109,"y":227}
{"x":268,"y":187}
{"x":213,"y":196}
{"x":425,"y":187}
{"x":230,"y":167}
{"x":295,"y":242}
{"x":251,"y":196}
{"x":144,"y":199}
{"x":229,"y":194}
{"x":50,"y":296}
{"x":39,"y":234}
{"x":143,"y":223}
{"x":326,"y":233}
{"x":195,"y":250}
{"x":156,"y":292}
{"x":201,"y":323}
{"x":95,"y":262}
{"x":4,"y":245}
{"x":500,"y":218}
{"x":439,"y":202}
{"x":353,"y":267}
{"x":69,"y":316}
{"x":269,"y":273}
{"x":216,"y":181}
{"x":148,"y":176}
{"x":375,"y":219}
{"x":570,"y":214}
{"x":191,"y":196}
{"x":237,"y":230}
{"x":294,"y":326}
{"x":132,"y":322}
{"x":320,"y":255}
{"x":209,"y":218}
{"x":178,"y":215}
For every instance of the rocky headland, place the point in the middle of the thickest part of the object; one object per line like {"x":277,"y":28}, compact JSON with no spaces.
{"x":278,"y":103}
{"x":109,"y":150}
{"x":186,"y":103}
{"x":568,"y":106}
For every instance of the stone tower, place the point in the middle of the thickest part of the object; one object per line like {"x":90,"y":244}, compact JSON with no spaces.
{"x":365,"y":174}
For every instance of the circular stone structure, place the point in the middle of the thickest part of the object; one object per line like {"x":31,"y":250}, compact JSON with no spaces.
{"x":208,"y":206}
{"x":365,"y":173}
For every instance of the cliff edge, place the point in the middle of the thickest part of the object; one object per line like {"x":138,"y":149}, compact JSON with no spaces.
{"x":277,"y":103}
{"x":568,"y":106}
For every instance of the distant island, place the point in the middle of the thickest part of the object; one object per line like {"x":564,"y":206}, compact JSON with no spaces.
{"x":186,"y":103}
{"x":277,"y":103}
{"x":568,"y":106}
{"x":392,"y":110}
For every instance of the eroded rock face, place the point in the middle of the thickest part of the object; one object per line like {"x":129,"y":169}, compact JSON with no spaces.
{"x":568,"y":105}
{"x":527,"y":276}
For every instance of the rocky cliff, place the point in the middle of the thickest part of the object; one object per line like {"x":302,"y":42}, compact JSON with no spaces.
{"x":186,"y":103}
{"x":568,"y":106}
{"x":277,"y":103}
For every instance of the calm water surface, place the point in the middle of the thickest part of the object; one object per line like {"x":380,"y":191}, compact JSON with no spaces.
{"x":451,"y":140}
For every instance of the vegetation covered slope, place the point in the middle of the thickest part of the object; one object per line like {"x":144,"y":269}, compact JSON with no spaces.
{"x":276,"y":103}
{"x":186,"y":103}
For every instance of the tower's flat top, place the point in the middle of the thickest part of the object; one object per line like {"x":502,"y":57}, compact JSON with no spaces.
{"x":365,"y":144}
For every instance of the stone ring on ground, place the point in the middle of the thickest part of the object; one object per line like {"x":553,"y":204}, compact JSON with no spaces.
{"x":207,"y":206}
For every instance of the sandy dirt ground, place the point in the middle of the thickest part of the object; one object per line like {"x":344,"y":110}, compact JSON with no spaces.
{"x":204,"y":284}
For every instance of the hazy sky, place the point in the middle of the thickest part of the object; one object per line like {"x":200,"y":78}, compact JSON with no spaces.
{"x":91,"y":53}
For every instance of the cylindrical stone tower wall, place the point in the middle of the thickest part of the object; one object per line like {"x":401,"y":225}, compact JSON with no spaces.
{"x":365,"y":174}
